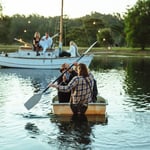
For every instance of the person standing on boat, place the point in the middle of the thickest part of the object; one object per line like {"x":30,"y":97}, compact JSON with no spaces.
{"x":46,"y":42}
{"x":36,"y":40}
{"x":81,"y":87}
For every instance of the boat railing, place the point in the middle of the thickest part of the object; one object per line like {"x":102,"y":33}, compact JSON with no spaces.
{"x":31,"y":48}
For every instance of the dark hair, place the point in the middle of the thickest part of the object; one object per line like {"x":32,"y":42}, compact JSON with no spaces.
{"x":62,"y":69}
{"x":83,"y":71}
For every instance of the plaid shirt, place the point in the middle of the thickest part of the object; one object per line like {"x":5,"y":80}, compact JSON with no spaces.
{"x":80,"y":89}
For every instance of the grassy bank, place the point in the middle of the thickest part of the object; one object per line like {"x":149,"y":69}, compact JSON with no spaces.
{"x":95,"y":50}
{"x":8,"y":48}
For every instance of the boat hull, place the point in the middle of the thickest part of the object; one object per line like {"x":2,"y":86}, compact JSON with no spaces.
{"x":29,"y":60}
{"x":93,"y":109}
{"x":98,"y":108}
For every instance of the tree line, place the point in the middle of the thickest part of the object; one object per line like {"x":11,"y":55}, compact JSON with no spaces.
{"x":131,"y":30}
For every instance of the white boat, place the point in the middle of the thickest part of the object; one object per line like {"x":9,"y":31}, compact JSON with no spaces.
{"x":25,"y":57}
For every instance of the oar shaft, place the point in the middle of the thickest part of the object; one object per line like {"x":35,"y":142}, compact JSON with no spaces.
{"x":71,"y":65}
{"x":36,"y":98}
{"x":21,"y":41}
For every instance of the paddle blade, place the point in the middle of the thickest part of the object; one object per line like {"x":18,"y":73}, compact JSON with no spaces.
{"x":33,"y":101}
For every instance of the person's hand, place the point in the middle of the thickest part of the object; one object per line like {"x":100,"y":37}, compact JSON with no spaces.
{"x":75,"y":64}
{"x":64,"y":78}
{"x":53,"y":85}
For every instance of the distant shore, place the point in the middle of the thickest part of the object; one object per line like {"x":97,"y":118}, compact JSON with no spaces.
{"x":122,"y":52}
{"x":118,"y":51}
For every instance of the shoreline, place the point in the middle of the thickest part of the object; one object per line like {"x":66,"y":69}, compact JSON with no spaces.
{"x":95,"y":50}
{"x":121,"y":52}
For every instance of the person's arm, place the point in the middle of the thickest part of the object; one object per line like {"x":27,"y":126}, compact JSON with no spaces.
{"x":33,"y":41}
{"x":72,"y":51}
{"x":66,"y":88}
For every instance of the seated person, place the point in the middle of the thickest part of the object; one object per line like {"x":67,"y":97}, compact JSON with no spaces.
{"x":72,"y":52}
{"x":46,"y":42}
{"x":36,"y":40}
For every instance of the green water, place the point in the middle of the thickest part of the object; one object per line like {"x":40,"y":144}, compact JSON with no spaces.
{"x":123,"y":81}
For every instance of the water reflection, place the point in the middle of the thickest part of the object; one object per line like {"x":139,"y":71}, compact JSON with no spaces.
{"x":18,"y":85}
{"x":138,"y":87}
{"x":123,"y":81}
{"x":35,"y":76}
{"x":76,"y":130}
{"x":133,"y":74}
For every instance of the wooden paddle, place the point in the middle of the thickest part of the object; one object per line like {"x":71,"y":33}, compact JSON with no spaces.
{"x":36,"y":97}
{"x":21,"y":41}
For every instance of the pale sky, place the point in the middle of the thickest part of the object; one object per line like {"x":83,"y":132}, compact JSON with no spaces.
{"x":72,"y":8}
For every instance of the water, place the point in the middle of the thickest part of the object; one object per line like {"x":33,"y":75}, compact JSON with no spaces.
{"x":123,"y":81}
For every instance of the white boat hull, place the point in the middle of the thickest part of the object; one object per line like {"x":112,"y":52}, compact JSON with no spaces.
{"x":28,"y":59}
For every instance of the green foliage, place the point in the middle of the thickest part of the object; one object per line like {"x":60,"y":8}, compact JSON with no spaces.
{"x":81,"y":30}
{"x":1,"y":11}
{"x":137,"y":24}
{"x":91,"y":26}
{"x":117,"y":30}
{"x":4,"y":29}
{"x":104,"y":37}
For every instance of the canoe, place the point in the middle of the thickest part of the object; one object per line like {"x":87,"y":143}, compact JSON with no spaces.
{"x":26,"y":58}
{"x":98,"y":108}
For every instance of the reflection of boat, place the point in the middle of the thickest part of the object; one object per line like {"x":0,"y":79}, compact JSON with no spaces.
{"x":25,"y":57}
{"x":75,"y":131}
{"x":98,"y":108}
{"x":102,"y":119}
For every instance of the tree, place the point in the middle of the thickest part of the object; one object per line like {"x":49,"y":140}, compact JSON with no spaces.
{"x":91,"y":27}
{"x":104,"y":37}
{"x":1,"y":11}
{"x":81,"y":30}
{"x":74,"y":35}
{"x":137,"y":24}
{"x":117,"y":28}
{"x":4,"y":29}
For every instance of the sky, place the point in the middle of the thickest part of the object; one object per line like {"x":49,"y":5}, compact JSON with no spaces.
{"x":72,"y":8}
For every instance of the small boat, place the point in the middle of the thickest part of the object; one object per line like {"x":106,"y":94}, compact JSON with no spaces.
{"x":98,"y":108}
